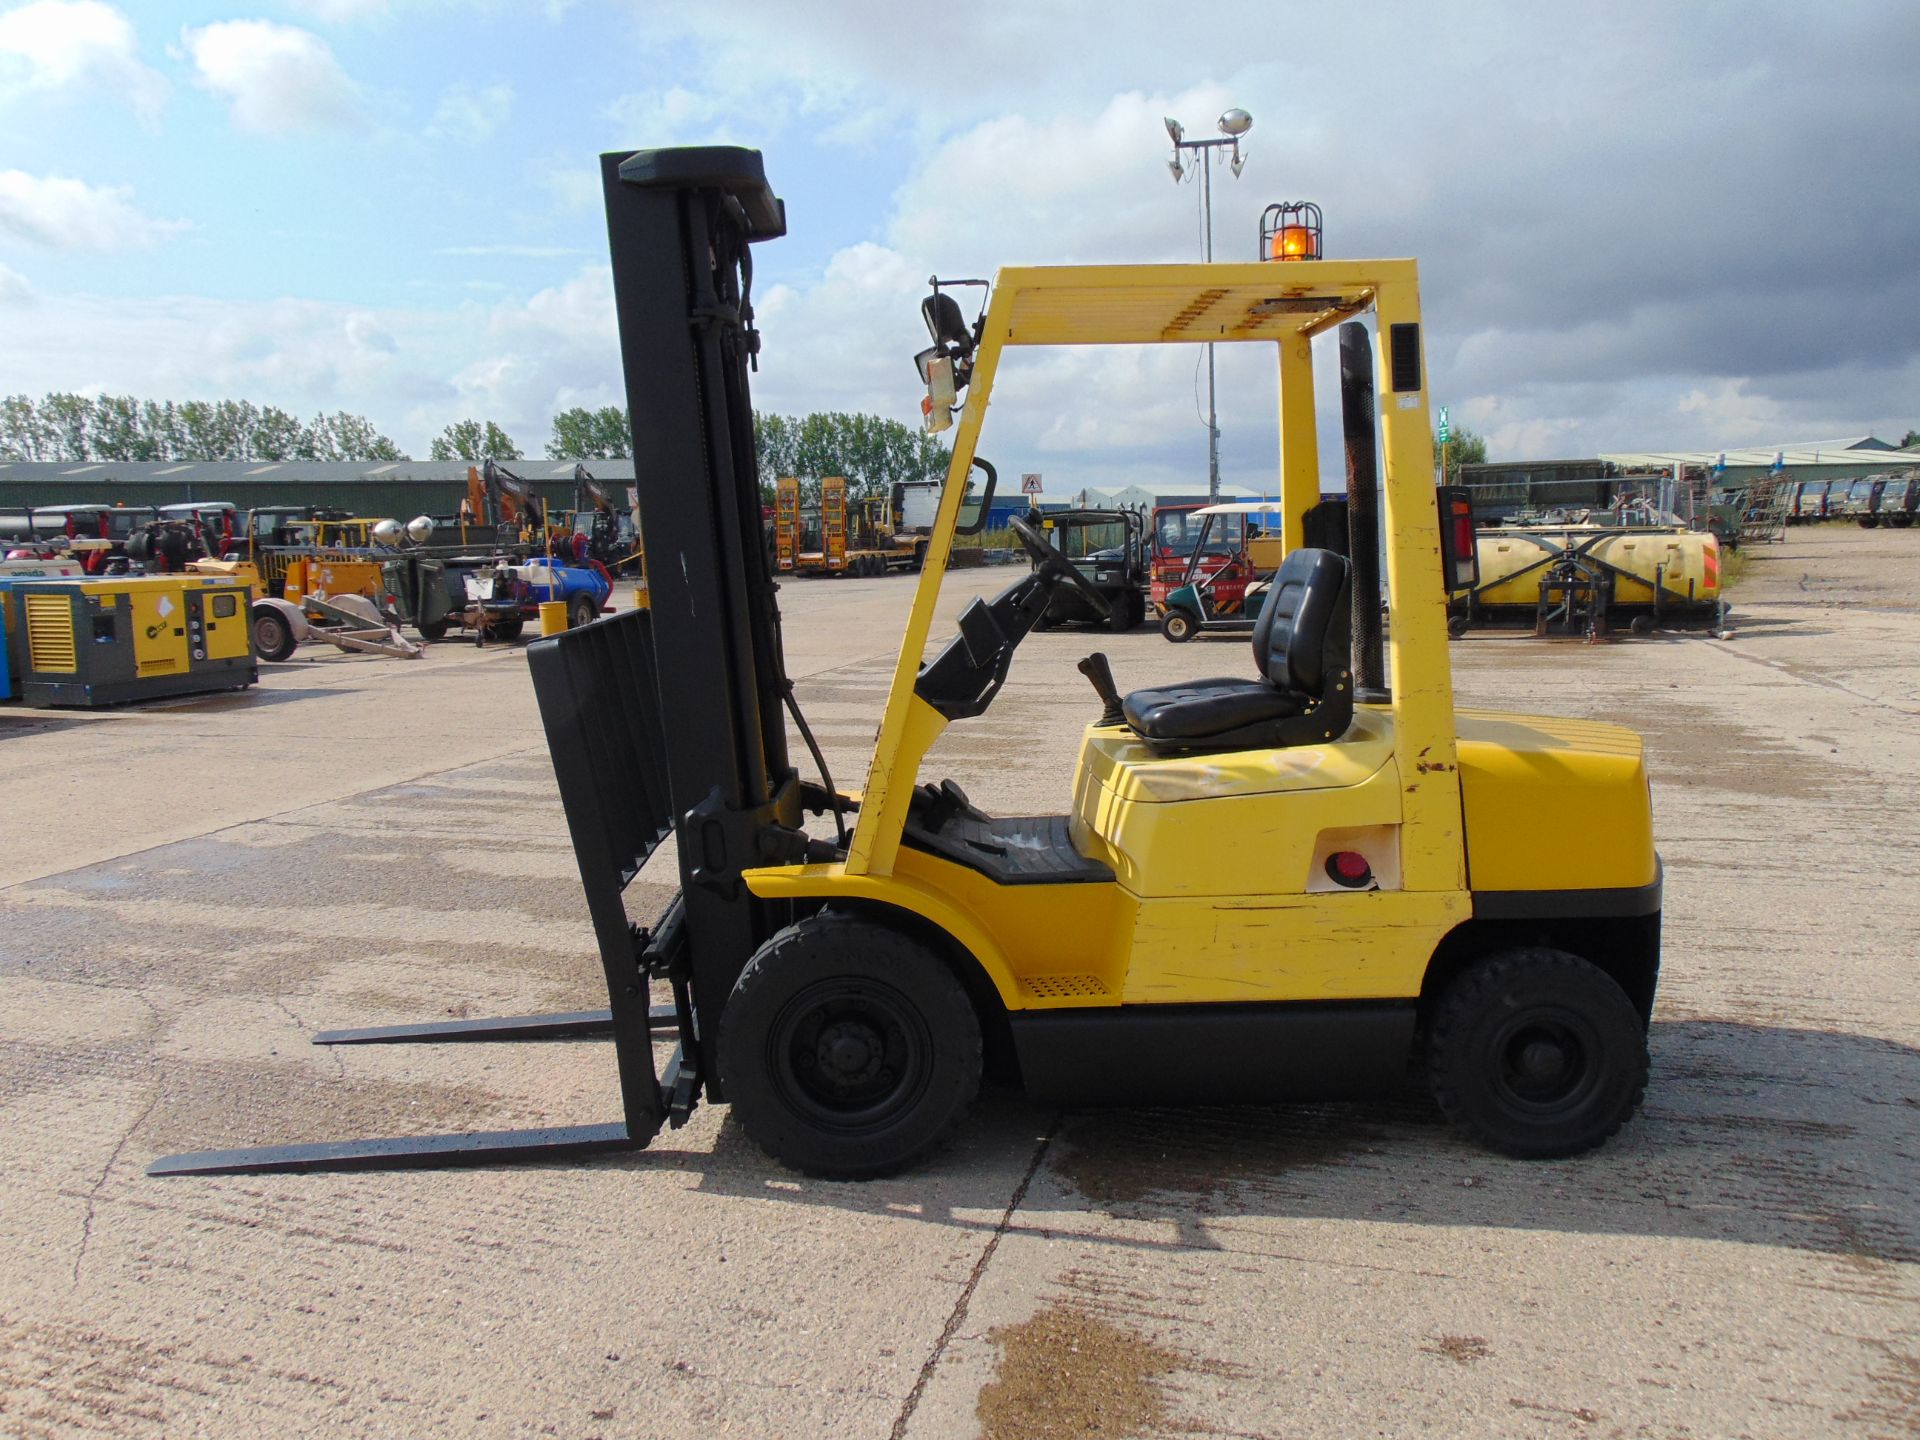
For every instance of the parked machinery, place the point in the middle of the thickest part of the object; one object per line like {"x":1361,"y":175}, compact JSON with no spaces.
{"x":1108,"y":548}
{"x":1588,"y":577}
{"x":128,"y":637}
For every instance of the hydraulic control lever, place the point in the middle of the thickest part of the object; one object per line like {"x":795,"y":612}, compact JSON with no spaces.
{"x":1100,"y":675}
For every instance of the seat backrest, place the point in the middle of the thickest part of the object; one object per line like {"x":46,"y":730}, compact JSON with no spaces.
{"x":1305,"y":628}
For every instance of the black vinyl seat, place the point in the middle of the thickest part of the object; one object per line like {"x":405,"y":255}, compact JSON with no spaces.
{"x":1302,"y":645}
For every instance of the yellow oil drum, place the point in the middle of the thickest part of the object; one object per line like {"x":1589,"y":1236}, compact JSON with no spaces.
{"x":1683,"y":564}
{"x":553,"y":617}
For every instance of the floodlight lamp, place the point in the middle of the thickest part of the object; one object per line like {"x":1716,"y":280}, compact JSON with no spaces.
{"x":1235,"y":122}
{"x":1237,"y":162}
{"x":1178,"y":171}
{"x":1175,"y":129}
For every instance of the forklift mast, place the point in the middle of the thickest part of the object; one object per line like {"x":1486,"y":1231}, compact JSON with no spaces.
{"x":665,"y":720}
{"x":680,"y":224}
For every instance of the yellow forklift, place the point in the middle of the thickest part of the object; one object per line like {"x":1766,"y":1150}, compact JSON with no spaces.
{"x":1296,"y":881}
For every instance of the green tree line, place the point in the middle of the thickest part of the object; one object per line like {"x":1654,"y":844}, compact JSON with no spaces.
{"x":119,"y":427}
{"x":871,"y":452}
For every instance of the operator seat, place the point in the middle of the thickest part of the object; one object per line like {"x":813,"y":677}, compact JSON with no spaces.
{"x":1302,"y":645}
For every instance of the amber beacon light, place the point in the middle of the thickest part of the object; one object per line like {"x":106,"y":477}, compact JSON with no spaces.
{"x":1290,"y":230}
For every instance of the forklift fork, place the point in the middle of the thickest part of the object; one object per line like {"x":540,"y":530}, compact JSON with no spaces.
{"x":596,"y":692}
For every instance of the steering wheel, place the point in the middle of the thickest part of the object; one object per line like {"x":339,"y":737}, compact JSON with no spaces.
{"x":1052,"y":563}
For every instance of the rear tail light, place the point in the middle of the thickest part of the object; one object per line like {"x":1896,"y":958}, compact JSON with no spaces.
{"x":1349,"y":868}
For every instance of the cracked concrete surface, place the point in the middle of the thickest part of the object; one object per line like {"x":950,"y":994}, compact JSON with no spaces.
{"x":191,"y":889}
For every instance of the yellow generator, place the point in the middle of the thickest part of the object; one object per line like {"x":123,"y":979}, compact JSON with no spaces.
{"x":132,"y":637}
{"x":1589,"y":576}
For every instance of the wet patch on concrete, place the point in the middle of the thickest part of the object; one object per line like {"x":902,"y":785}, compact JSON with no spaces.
{"x":1122,"y":1157}
{"x":1692,"y":748}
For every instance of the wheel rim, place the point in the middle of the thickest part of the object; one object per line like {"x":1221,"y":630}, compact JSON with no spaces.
{"x":1178,"y":626}
{"x":1544,"y":1063}
{"x":269,"y":635}
{"x":849,"y":1055}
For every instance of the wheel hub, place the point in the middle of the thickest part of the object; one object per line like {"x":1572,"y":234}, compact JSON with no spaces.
{"x":848,"y":1053}
{"x":1542,"y":1061}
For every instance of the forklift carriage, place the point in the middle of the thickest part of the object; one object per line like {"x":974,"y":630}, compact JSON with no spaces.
{"x":1284,"y":883}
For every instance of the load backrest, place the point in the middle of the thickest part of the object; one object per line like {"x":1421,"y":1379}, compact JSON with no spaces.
{"x":1305,"y":628}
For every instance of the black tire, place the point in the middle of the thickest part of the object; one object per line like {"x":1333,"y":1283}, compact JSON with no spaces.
{"x":848,"y":1049}
{"x":1120,"y":618}
{"x":507,"y":629}
{"x":1456,"y":626}
{"x":433,"y":631}
{"x":1537,"y":1054}
{"x":272,"y":636}
{"x":1178,"y":626}
{"x":581,"y":610}
{"x":1641,"y":625}
{"x":919,"y":556}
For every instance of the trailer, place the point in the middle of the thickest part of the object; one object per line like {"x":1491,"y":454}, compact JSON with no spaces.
{"x":1588,"y":577}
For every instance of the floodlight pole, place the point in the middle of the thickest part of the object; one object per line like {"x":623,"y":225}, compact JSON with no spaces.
{"x":1233,"y":124}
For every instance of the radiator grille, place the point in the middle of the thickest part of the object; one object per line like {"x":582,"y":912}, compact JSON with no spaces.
{"x":50,"y":634}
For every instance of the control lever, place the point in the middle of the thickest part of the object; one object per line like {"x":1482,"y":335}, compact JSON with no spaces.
{"x":1100,"y":675}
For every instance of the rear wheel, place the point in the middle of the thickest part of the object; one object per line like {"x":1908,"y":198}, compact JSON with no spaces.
{"x":848,"y":1049}
{"x":508,"y":629}
{"x":1177,"y":626}
{"x":1537,"y":1053}
{"x":272,"y":635}
{"x":432,"y":631}
{"x":581,"y":611}
{"x":1121,"y":618}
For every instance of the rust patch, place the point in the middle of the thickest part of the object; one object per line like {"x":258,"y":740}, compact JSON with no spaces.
{"x":1896,"y":1405}
{"x":1069,"y":1372}
{"x":1461,"y":1349}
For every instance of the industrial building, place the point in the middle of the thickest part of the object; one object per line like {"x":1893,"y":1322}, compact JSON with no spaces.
{"x":1503,"y":489}
{"x":398,"y":488}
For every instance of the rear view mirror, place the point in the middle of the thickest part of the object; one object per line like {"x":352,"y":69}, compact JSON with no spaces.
{"x":946,"y":324}
{"x":974,"y":509}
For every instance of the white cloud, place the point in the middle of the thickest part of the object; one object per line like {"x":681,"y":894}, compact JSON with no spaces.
{"x":345,"y":12}
{"x":57,"y":45}
{"x":469,"y":113}
{"x":63,"y":214}
{"x":15,"y":292}
{"x":277,"y":78}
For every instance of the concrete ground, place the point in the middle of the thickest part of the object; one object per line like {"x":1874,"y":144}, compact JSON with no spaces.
{"x":192,"y":889}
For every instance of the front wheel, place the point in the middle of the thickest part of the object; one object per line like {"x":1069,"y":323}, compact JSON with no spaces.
{"x":433,"y":631}
{"x":1537,"y":1053}
{"x":1177,"y":626}
{"x":848,"y":1050}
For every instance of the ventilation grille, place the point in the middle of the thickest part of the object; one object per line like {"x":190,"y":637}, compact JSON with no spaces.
{"x":50,"y":634}
{"x":1404,"y":343}
{"x":1061,"y":987}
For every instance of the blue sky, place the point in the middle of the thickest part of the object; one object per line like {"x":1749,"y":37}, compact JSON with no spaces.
{"x":1640,"y":226}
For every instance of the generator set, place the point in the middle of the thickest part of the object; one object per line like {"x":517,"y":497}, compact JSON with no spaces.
{"x":128,"y":637}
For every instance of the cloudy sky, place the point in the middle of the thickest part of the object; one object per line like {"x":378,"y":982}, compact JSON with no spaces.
{"x":1640,"y":225}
